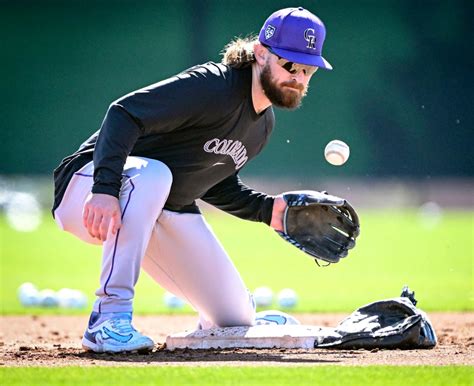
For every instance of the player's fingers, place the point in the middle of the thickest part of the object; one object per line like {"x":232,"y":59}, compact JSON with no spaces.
{"x":90,"y":221}
{"x":85,"y":215}
{"x":116,"y":223}
{"x":104,"y":228}
{"x":96,"y":225}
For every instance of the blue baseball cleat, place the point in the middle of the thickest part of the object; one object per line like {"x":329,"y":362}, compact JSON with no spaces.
{"x":274,"y":317}
{"x":113,"y":332}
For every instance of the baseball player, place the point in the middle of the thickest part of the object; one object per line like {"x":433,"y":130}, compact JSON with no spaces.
{"x":132,"y":186}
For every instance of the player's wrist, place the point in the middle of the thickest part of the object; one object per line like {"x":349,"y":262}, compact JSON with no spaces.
{"x":278,"y":211}
{"x":105,"y":189}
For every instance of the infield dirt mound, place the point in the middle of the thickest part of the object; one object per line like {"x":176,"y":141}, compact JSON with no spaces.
{"x":56,"y":341}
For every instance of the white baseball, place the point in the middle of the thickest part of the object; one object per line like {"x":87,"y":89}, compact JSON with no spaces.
{"x":79,"y":299}
{"x":70,"y":298}
{"x":48,"y":298}
{"x":336,"y":152}
{"x":65,"y":297}
{"x":173,"y":301}
{"x":287,"y":298}
{"x":263,"y":296}
{"x":28,"y":295}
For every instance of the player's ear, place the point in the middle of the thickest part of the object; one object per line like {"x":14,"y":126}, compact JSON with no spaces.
{"x":260,"y":53}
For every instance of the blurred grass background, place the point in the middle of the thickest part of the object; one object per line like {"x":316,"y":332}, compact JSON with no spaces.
{"x":395,"y":248}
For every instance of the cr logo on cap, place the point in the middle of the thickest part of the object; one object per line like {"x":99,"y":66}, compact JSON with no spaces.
{"x":310,"y":38}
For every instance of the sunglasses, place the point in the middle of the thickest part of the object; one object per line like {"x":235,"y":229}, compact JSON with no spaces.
{"x":292,"y":67}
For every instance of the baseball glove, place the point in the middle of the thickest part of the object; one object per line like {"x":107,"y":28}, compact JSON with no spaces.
{"x":323,"y":226}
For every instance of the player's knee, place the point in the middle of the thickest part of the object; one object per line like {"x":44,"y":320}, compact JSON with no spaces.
{"x":148,"y":185}
{"x":162,"y":174}
{"x":154,"y":176}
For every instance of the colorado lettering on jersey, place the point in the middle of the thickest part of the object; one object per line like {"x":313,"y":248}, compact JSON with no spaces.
{"x":235,"y":149}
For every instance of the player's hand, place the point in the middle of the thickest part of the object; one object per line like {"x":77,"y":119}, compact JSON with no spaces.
{"x":279,"y":206}
{"x":101,"y":213}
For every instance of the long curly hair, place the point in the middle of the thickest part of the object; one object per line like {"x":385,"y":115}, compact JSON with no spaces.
{"x":239,"y":52}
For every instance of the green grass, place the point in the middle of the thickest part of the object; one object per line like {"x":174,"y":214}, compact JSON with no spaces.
{"x":394,"y":249}
{"x":221,"y":376}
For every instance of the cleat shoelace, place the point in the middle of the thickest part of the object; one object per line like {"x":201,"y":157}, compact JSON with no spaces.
{"x":123,"y":326}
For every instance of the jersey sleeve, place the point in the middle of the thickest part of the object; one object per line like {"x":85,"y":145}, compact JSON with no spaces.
{"x":233,"y":196}
{"x":117,"y":135}
{"x":180,"y":101}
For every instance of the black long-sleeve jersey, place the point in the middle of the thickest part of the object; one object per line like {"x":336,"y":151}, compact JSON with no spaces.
{"x":201,"y":123}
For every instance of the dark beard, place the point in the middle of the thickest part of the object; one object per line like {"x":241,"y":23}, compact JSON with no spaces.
{"x":279,"y":96}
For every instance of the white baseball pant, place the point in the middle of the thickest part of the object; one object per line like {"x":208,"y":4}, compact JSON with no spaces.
{"x":178,"y":250}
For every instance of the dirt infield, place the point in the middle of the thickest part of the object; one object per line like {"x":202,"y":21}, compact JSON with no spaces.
{"x":55,"y":341}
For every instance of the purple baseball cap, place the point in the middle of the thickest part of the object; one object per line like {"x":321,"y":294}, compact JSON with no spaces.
{"x":296,"y":35}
